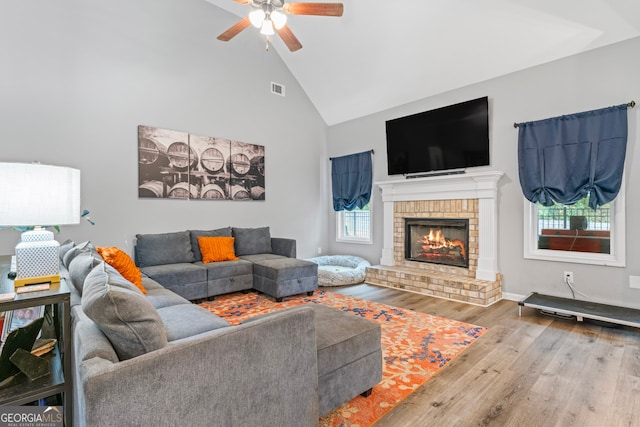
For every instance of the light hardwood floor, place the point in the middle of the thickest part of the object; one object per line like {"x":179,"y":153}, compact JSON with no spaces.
{"x":533,"y":370}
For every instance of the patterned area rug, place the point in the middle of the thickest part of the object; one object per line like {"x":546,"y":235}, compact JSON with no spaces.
{"x":414,"y":346}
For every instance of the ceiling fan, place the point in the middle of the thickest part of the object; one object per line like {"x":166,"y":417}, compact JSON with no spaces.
{"x":271,"y":17}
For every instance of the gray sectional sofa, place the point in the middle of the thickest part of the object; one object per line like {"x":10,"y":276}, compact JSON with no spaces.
{"x":157,"y":359}
{"x":266,"y":264}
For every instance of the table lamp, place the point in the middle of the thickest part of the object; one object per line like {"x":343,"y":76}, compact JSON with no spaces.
{"x":35,"y":195}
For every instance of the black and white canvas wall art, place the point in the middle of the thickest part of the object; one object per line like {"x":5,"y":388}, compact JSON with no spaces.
{"x":246,"y":166}
{"x":180,"y":165}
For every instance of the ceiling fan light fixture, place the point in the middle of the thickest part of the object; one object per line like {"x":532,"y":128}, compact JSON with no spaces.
{"x":267,"y":28}
{"x":278,"y":18}
{"x":257,"y":17}
{"x":270,"y":16}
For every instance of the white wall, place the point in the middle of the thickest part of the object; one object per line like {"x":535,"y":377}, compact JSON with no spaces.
{"x":78,"y":77}
{"x":599,"y":78}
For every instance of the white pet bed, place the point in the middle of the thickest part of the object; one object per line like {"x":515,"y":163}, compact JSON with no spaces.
{"x":340,"y":270}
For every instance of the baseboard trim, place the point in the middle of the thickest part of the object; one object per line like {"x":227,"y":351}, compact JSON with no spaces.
{"x":513,"y":297}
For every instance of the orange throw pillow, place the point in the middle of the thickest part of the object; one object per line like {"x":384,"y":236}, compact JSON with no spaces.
{"x":217,"y":248}
{"x":123,"y":263}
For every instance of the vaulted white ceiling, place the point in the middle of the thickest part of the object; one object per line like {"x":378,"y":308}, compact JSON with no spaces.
{"x":381,"y":54}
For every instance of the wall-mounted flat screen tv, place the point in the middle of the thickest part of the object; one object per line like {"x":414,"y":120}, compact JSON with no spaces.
{"x":445,"y":139}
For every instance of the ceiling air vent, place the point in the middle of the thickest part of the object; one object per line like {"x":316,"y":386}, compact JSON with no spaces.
{"x":277,"y":88}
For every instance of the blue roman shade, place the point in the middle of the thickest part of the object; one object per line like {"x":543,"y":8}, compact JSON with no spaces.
{"x":351,"y":178}
{"x":564,"y":159}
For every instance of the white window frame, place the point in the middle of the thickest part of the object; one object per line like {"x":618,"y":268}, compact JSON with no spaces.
{"x":617,"y":257}
{"x":340,"y":237}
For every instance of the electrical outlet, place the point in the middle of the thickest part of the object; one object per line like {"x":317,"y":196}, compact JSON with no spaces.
{"x":634,"y":282}
{"x":319,"y":251}
{"x":568,"y":277}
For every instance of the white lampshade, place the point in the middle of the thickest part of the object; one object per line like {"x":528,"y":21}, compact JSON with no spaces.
{"x":267,"y":28}
{"x":256,"y":17}
{"x":38,"y":195}
{"x":279,"y":19}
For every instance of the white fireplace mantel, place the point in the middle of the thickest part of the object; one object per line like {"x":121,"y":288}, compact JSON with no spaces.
{"x":476,"y":185}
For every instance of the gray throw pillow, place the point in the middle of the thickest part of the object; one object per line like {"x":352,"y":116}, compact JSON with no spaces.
{"x":84,"y":247}
{"x":122,"y":313}
{"x":250,"y":241}
{"x":195,"y":247}
{"x":80,"y":267}
{"x":64,"y":248}
{"x":165,"y":248}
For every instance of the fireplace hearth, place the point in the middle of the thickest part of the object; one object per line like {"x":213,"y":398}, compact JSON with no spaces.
{"x":437,"y":240}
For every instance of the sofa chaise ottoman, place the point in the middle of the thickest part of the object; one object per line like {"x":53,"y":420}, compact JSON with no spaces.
{"x":349,"y":356}
{"x":282,"y":277}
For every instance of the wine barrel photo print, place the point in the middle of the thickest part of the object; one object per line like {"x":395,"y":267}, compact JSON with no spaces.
{"x":180,"y":165}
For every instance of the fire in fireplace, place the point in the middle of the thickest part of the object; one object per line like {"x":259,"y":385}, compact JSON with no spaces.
{"x":437,"y":240}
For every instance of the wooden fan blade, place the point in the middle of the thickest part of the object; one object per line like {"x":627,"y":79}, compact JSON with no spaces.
{"x":320,"y":9}
{"x":289,"y":39}
{"x":244,"y":1}
{"x":234,"y":30}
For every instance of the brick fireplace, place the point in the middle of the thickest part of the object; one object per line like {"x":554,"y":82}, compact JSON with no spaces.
{"x":469,"y":198}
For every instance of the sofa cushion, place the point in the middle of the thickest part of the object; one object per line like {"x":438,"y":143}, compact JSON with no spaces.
{"x":88,"y":339}
{"x":261,"y":257}
{"x":251,"y":241}
{"x":183,"y":321}
{"x":165,"y":248}
{"x":83,"y":247}
{"x":122,"y":313}
{"x":149,"y":283}
{"x":205,"y":233}
{"x":80,"y":267}
{"x":122,"y":262}
{"x":161,"y":297}
{"x":171,"y":275}
{"x":216,"y":249}
{"x":224,"y":269}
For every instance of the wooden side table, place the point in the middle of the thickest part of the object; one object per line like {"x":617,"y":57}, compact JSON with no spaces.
{"x":21,"y":390}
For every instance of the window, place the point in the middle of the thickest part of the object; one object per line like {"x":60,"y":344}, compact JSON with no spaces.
{"x":354,"y":226}
{"x":575,"y":228}
{"x":576,"y":233}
